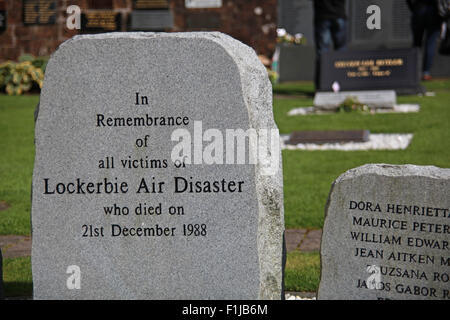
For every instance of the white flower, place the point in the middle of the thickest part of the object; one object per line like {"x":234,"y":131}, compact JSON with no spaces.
{"x":281,"y":32}
{"x":336,"y":87}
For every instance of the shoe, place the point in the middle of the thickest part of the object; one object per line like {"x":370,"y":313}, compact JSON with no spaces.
{"x":427,"y":77}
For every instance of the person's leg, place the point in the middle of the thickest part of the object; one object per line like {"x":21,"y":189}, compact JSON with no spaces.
{"x":322,"y":39}
{"x":322,"y":36}
{"x":432,"y":32}
{"x":418,"y":28}
{"x":339,"y":33}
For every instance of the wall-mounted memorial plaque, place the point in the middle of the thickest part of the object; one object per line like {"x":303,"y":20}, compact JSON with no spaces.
{"x":151,"y":20}
{"x":3,"y":20}
{"x":39,"y":12}
{"x":100,"y":4}
{"x":203,"y":20}
{"x":100,"y":21}
{"x":150,"y":4}
{"x":192,"y":4}
{"x":397,"y":69}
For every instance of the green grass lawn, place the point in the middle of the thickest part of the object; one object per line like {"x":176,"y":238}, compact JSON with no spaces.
{"x":16,"y":162}
{"x":302,"y":272}
{"x":17,"y":277}
{"x":307,"y":174}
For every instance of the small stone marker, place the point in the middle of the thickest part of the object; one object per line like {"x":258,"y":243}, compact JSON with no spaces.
{"x":114,"y":216}
{"x":386,"y":234}
{"x":378,"y":99}
{"x":328,"y":136}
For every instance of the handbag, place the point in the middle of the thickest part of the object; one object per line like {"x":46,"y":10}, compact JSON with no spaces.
{"x":444,"y":8}
{"x":444,"y":47}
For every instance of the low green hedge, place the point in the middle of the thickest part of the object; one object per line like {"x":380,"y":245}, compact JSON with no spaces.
{"x":26,"y":74}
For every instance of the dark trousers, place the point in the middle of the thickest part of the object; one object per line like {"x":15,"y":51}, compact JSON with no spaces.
{"x":326,"y":33}
{"x":426,"y":25}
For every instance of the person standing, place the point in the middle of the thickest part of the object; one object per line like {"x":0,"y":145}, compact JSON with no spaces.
{"x":426,"y":25}
{"x":330,"y":27}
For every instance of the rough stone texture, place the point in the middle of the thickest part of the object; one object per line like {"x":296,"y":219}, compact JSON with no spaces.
{"x":344,"y":274}
{"x":373,"y":99}
{"x":205,"y":76}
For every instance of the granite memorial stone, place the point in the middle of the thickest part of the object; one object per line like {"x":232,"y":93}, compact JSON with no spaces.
{"x":297,"y":16}
{"x":386,"y":234}
{"x":132,"y":196}
{"x":395,"y":29}
{"x":394,"y":69}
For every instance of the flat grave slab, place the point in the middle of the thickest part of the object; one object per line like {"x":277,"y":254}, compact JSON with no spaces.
{"x":328,"y":136}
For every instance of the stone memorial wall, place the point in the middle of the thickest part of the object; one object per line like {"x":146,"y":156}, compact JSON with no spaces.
{"x":38,"y":27}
